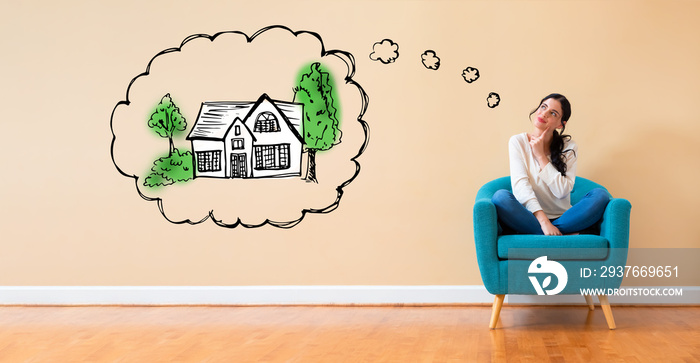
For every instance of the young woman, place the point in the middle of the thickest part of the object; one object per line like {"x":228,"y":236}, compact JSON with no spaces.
{"x":542,"y":175}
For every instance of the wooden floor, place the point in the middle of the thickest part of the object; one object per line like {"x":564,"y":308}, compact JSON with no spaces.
{"x":347,"y":334}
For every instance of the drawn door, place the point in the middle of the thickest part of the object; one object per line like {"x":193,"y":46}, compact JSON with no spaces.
{"x":238,"y":166}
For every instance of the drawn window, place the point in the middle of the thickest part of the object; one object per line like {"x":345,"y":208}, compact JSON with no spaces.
{"x":258,"y":157}
{"x":238,"y":130}
{"x":266,"y":122}
{"x":283,"y":151}
{"x":237,"y":144}
{"x":208,"y":161}
{"x":272,"y":157}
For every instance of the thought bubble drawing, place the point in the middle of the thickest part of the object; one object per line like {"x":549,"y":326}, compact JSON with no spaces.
{"x":430,"y":60}
{"x":470,"y":74}
{"x":493,"y":100}
{"x":385,"y":51}
{"x":235,"y":128}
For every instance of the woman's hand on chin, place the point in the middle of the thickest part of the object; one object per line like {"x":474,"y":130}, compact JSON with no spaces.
{"x":538,"y":146}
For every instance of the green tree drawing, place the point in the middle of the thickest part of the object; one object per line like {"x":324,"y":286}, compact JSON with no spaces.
{"x":167,"y":121}
{"x":321,"y":123}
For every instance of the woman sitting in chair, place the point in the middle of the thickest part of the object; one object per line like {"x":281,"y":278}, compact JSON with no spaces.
{"x":542,"y":175}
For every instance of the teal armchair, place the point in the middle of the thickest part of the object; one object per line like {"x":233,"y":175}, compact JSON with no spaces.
{"x":519,"y":264}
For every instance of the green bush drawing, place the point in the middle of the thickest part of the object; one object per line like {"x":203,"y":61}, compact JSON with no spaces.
{"x":167,"y":170}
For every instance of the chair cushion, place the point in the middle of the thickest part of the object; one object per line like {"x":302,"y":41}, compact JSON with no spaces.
{"x":529,"y":247}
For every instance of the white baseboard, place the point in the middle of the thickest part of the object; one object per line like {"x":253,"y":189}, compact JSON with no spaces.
{"x":241,"y":295}
{"x":296,"y":295}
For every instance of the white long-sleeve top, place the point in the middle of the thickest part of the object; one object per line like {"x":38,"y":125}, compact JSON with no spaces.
{"x":545,"y":190}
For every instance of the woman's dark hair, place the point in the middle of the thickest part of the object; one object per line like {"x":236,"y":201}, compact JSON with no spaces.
{"x":556,"y":149}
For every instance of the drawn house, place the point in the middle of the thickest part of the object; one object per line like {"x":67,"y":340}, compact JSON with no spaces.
{"x":260,"y":139}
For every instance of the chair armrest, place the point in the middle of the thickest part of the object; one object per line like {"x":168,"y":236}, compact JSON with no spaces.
{"x":615,"y":226}
{"x":485,"y":239}
{"x":485,"y":222}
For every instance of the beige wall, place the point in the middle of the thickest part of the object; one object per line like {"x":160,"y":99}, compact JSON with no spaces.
{"x":630,"y":68}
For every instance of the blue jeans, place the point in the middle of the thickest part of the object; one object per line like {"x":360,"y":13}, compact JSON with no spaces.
{"x":580,"y":216}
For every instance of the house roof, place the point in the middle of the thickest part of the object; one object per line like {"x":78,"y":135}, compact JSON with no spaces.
{"x":215,"y":119}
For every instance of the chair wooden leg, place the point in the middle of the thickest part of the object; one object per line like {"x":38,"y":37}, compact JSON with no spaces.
{"x":589,"y":301}
{"x":496,"y":310}
{"x":607,"y":310}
